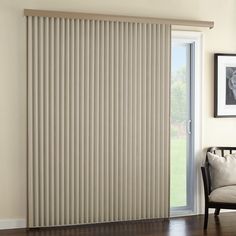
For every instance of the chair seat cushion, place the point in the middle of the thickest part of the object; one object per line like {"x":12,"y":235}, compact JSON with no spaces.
{"x":225,"y":194}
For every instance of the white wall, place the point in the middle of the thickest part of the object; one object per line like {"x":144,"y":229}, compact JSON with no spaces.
{"x":13,"y":76}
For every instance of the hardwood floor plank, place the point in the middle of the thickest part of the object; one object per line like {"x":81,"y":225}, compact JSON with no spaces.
{"x":184,"y":226}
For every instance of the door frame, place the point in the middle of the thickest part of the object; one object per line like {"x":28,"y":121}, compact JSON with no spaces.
{"x":196,"y":39}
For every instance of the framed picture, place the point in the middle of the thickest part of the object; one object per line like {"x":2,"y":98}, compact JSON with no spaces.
{"x":225,"y":85}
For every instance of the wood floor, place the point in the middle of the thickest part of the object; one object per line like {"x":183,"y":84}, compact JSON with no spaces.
{"x":225,"y":224}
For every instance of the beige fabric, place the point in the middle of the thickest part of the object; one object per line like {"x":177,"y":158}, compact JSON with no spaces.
{"x":98,"y":121}
{"x":222,"y":169}
{"x":224,"y":194}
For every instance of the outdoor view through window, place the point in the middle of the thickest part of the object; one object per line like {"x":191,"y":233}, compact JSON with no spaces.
{"x":179,"y":117}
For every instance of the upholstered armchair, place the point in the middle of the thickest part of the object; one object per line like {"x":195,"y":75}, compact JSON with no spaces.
{"x":219,"y":178}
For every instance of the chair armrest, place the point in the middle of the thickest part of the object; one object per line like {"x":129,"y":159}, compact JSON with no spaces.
{"x":206,"y":181}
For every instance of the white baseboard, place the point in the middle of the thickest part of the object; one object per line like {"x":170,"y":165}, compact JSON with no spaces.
{"x":12,"y":223}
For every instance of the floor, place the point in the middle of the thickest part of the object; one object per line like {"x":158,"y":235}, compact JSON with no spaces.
{"x":225,"y":224}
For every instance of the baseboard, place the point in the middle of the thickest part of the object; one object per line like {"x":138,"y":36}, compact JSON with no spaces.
{"x":12,"y":223}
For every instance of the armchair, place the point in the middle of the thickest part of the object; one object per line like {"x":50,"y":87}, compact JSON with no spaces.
{"x":222,"y":197}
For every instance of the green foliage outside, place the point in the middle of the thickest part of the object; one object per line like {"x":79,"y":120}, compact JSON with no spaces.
{"x":178,"y":172}
{"x":178,"y":96}
{"x":178,"y":138}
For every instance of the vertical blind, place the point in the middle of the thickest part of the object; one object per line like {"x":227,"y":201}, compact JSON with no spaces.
{"x":98,"y":121}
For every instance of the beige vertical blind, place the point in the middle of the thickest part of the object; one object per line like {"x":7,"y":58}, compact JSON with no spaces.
{"x":98,"y":121}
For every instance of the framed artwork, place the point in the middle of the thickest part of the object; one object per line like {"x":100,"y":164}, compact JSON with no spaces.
{"x":225,"y":85}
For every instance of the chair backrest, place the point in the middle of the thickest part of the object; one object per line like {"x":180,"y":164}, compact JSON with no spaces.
{"x":222,"y":150}
{"x":206,"y":168}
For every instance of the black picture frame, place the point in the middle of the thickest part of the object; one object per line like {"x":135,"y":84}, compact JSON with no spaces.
{"x":224,"y":96}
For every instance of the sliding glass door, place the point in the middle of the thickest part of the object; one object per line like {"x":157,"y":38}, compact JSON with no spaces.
{"x":182,"y":107}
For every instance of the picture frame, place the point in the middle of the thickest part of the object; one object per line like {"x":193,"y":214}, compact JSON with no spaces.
{"x":225,"y":85}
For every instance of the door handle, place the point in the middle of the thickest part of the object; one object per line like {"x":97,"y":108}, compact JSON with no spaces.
{"x":189,"y":126}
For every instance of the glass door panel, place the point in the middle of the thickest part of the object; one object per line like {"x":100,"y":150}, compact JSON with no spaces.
{"x":180,"y":125}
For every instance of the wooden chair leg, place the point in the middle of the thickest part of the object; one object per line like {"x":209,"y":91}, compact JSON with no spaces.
{"x":206,"y":218}
{"x":217,"y":211}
